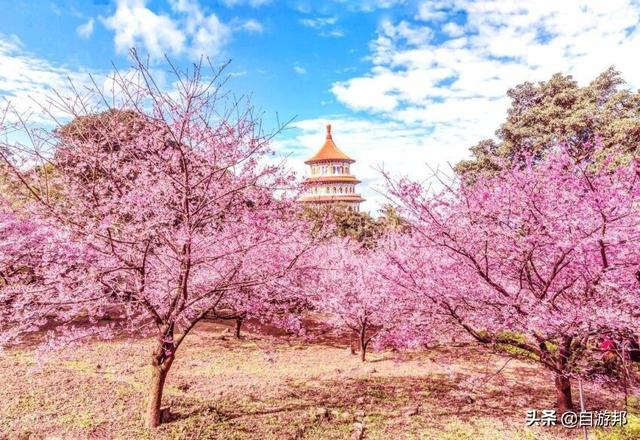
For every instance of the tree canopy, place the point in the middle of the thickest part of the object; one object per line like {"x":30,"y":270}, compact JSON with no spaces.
{"x":359,"y":226}
{"x":540,"y":257}
{"x":170,"y":206}
{"x":547,"y":113}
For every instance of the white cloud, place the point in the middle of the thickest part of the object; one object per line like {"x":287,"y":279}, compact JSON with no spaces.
{"x":367,"y":93}
{"x":370,"y":5}
{"x":433,"y":10}
{"x":37,"y":88}
{"x":454,"y":85}
{"x":453,"y":29}
{"x":55,"y":9}
{"x":188,"y":31}
{"x":325,"y":26}
{"x":252,"y":25}
{"x":252,"y":3}
{"x":413,"y":34}
{"x":85,"y":30}
{"x":319,"y":22}
{"x":335,"y":33}
{"x":28,"y":81}
{"x":299,"y":70}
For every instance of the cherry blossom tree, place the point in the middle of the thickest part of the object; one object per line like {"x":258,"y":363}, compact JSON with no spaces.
{"x":173,"y":193}
{"x":35,"y":262}
{"x":281,"y":303}
{"x":538,"y":259}
{"x":349,"y":291}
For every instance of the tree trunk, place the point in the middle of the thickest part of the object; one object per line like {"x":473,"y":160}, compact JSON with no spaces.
{"x":563,"y":394}
{"x":563,"y":384}
{"x":156,"y":386}
{"x":363,"y":342}
{"x":238,"y":325}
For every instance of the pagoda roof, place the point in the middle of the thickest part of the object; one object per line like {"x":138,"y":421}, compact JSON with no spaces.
{"x":329,"y":152}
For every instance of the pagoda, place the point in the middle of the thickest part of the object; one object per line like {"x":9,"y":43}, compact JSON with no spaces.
{"x":330,"y":181}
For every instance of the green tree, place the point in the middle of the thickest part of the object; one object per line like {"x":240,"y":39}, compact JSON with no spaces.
{"x":360,"y":226}
{"x":559,"y":110}
{"x":344,"y":222}
{"x":392,"y":220}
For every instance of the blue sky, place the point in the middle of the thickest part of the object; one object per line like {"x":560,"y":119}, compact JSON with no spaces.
{"x":286,"y":54}
{"x":406,"y":84}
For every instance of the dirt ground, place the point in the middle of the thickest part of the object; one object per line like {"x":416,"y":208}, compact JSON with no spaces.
{"x":260,"y":387}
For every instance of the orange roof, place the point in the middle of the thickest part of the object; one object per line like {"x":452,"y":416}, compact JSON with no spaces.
{"x":329,"y":151}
